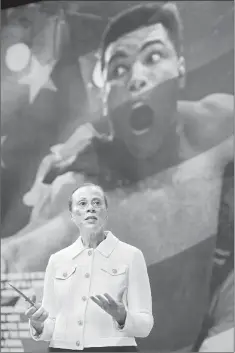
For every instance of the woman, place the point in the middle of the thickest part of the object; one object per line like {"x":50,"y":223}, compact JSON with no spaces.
{"x":97,"y":295}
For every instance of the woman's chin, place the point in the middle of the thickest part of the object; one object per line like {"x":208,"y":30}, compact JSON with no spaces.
{"x":94,"y":226}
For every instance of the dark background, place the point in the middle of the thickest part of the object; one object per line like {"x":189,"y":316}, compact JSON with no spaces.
{"x":31,"y":129}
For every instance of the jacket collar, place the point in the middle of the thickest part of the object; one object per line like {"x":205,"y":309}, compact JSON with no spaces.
{"x":106,"y":247}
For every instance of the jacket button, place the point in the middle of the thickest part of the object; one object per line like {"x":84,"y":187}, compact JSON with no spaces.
{"x":77,"y":343}
{"x":87,"y":275}
{"x":84,"y":298}
{"x":80,"y":322}
{"x":114,"y":270}
{"x":65,"y":274}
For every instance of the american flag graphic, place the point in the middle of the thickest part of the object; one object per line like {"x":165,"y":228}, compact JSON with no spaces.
{"x":49,"y":52}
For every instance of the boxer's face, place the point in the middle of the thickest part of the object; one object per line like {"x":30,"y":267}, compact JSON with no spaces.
{"x":142,"y":67}
{"x":88,"y":208}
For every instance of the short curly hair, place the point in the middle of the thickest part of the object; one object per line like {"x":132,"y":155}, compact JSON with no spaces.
{"x":141,"y":16}
{"x":82,"y":186}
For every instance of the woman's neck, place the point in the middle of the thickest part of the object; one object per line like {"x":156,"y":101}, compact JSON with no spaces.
{"x":92,"y":239}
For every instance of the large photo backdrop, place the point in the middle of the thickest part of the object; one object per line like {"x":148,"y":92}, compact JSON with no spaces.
{"x":51,"y":109}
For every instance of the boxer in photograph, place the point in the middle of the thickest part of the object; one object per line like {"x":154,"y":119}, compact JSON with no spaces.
{"x":161,"y":166}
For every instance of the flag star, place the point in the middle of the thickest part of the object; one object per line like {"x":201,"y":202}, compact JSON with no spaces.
{"x":38,"y":78}
{"x":3,"y":138}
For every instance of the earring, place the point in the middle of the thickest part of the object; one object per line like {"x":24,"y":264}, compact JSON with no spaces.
{"x":181,"y":78}
{"x":105,"y":109}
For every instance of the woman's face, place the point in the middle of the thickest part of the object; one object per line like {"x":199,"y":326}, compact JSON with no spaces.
{"x":89,"y":210}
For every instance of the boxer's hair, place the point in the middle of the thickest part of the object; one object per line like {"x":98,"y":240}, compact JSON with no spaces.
{"x":82,"y":186}
{"x":142,"y":16}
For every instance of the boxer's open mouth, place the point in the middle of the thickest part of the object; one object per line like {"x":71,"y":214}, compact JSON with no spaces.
{"x":141,"y":118}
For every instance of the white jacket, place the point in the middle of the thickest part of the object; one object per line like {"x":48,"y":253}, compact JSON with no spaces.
{"x":76,"y":273}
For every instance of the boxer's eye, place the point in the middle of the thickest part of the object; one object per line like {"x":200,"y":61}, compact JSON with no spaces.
{"x":118,"y":71}
{"x":153,"y":58}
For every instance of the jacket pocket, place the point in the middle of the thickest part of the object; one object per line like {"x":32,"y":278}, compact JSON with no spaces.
{"x":114,"y":270}
{"x":63,"y":274}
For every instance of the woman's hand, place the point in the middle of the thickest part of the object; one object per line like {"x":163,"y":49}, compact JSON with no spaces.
{"x":114,"y":308}
{"x":37,"y":315}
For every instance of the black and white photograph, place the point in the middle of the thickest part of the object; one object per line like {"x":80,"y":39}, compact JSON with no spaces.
{"x":117,"y":176}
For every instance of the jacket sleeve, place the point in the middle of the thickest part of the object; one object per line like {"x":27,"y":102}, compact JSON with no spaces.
{"x":48,"y":303}
{"x":139,"y":320}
